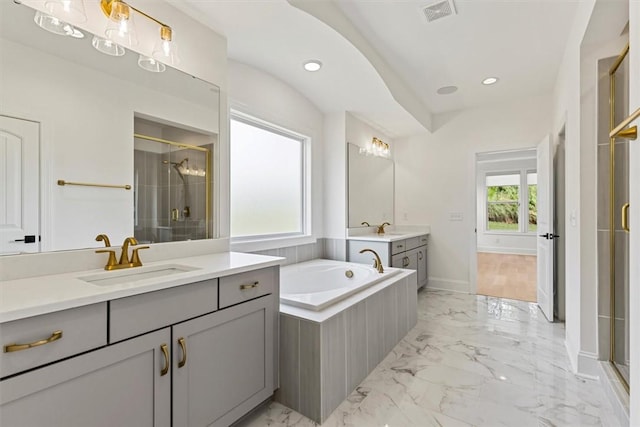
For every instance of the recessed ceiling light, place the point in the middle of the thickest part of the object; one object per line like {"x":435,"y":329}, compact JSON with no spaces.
{"x":447,"y":90}
{"x":312,"y":65}
{"x":490,"y":81}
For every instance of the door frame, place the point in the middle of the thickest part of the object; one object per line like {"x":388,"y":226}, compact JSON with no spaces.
{"x":473,"y":200}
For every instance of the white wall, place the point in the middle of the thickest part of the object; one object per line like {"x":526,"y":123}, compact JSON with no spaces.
{"x":335,"y":176}
{"x":435,"y":177}
{"x":261,"y":95}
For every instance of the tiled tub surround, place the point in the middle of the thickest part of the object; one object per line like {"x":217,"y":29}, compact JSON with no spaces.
{"x":470,"y":360}
{"x":323,"y":248}
{"x":324,"y":355}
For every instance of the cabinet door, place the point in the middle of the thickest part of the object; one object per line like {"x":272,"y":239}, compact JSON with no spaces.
{"x":412,"y":263}
{"x":223,"y":364}
{"x":423,"y":277}
{"x":119,"y":385}
{"x":399,"y":260}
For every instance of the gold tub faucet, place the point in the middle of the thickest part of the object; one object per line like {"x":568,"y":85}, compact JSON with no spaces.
{"x":377,"y":264}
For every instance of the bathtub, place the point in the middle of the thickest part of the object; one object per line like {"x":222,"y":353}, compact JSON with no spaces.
{"x":317,"y":284}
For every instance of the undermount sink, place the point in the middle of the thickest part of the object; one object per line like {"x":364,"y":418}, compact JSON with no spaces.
{"x":136,"y":273}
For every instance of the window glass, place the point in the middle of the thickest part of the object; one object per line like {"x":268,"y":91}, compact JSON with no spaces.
{"x":503,"y":195}
{"x":267,"y":180}
{"x":532,"y":183}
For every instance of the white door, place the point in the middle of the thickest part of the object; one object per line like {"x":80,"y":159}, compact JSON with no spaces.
{"x":545,"y":227}
{"x":19,"y":186}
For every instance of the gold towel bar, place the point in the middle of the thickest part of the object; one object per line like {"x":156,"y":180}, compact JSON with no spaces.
{"x":86,"y":184}
{"x":619,"y":130}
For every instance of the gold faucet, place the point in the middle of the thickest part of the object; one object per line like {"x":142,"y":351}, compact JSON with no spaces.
{"x":377,"y":264}
{"x":365,"y":223}
{"x":381,"y":227}
{"x":124,"y":255}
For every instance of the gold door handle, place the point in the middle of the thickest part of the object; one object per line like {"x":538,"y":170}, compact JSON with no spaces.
{"x":55,"y":336}
{"x":183,"y":346}
{"x":249,"y":286}
{"x":625,"y":217}
{"x":165,"y":353}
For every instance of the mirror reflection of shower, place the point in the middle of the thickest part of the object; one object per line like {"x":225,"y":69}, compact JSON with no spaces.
{"x":172,"y":182}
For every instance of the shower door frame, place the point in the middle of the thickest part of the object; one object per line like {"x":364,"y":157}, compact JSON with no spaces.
{"x":612,"y":214}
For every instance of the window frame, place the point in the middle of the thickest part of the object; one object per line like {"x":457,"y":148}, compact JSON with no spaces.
{"x":246,"y":242}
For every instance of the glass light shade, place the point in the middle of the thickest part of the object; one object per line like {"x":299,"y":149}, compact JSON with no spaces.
{"x":107,"y":46}
{"x":50,"y":23}
{"x":151,"y":64}
{"x":73,"y":32}
{"x":166,"y":51}
{"x":69,"y":10}
{"x":120,"y":28}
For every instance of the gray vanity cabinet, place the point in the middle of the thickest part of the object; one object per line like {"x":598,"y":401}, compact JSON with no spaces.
{"x":199,"y":354}
{"x":118,"y":385}
{"x":222,"y":364}
{"x":406,"y":253}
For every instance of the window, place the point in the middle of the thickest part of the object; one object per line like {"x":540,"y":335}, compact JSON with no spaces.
{"x":268,"y":180}
{"x":503,"y":202}
{"x":508,"y":208}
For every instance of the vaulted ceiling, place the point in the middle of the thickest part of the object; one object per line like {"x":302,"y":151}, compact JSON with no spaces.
{"x":385,"y":62}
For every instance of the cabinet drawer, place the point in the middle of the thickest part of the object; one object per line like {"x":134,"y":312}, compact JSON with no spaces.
{"x":245,"y":286}
{"x":413,"y":243}
{"x":83,"y":328}
{"x":398,"y":246}
{"x":142,"y":313}
{"x":423,"y":239}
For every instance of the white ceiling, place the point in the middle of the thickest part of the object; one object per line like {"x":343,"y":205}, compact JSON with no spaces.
{"x":519,"y":41}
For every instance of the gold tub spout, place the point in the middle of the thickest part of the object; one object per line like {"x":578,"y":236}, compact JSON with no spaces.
{"x":377,"y":264}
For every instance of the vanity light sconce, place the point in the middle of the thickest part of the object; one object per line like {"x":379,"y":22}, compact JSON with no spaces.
{"x":376,"y":148}
{"x":120,"y":30}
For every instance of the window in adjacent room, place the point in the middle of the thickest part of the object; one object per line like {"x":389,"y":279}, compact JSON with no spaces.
{"x":268,"y":180}
{"x":503,"y":202}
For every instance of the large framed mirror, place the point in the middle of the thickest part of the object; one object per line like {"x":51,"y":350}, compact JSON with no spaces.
{"x":104,"y":127}
{"x":370,"y":188}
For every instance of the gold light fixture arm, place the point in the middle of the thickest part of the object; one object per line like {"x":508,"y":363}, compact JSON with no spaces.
{"x":165,"y":30}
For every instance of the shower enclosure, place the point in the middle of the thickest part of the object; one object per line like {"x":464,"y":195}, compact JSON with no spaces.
{"x":172,"y":181}
{"x":613,"y":234}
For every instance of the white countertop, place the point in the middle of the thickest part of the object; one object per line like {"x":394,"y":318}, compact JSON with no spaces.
{"x":393,"y":236}
{"x":33,"y":296}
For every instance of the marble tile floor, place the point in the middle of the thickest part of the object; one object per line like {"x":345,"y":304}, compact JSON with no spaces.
{"x":470,"y":361}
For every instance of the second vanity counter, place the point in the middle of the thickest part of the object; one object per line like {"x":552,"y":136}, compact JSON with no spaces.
{"x":34,"y":296}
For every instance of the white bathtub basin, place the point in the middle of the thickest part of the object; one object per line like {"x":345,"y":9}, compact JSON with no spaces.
{"x":135,"y":274}
{"x":317,"y":284}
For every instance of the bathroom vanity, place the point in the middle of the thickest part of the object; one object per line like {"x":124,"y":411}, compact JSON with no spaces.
{"x":396,"y":249}
{"x":196,"y":346}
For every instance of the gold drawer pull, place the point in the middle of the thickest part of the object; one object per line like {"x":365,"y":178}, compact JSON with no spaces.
{"x":625,"y":217}
{"x":55,"y":336}
{"x":183,"y":346}
{"x":165,"y":353}
{"x":249,"y":286}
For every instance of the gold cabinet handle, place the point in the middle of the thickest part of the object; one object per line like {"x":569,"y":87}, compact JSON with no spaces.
{"x":55,"y":336}
{"x":165,"y":353}
{"x":625,"y":217}
{"x":420,"y":256}
{"x":183,"y":346}
{"x":405,"y":261}
{"x":249,"y":286}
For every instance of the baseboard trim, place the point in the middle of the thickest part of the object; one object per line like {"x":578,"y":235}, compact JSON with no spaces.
{"x":572,"y":360}
{"x":588,"y":365}
{"x":615,"y":392}
{"x":448,"y":285}
{"x":507,"y":251}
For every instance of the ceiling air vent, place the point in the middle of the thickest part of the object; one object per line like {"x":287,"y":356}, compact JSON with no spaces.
{"x":440,"y":9}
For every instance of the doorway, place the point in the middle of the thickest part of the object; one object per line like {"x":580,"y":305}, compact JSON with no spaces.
{"x":506,"y":224}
